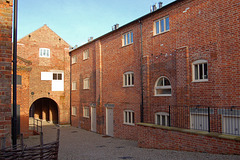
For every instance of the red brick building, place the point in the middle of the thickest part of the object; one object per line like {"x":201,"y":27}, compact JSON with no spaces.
{"x":5,"y":70}
{"x":44,"y":76}
{"x":168,"y":62}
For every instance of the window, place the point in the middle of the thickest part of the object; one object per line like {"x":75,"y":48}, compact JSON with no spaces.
{"x":128,"y":79}
{"x":86,"y":84}
{"x":19,"y":80}
{"x":74,"y":111}
{"x":127,"y":38}
{"x":74,"y":59}
{"x":128,"y":116}
{"x":85,"y":54}
{"x":86,"y":112}
{"x":44,"y":52}
{"x":162,"y":118}
{"x":200,"y":70}
{"x":163,"y":87}
{"x":74,"y":85}
{"x":57,"y":76}
{"x":161,"y":25}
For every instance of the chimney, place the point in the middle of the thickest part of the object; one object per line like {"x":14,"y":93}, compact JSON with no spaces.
{"x":160,"y":5}
{"x":116,"y":26}
{"x":90,"y":39}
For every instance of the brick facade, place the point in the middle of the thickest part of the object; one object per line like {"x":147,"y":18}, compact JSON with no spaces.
{"x":199,"y":30}
{"x":5,"y":70}
{"x":34,"y":91}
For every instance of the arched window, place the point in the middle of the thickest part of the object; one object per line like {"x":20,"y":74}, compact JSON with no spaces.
{"x":163,"y":87}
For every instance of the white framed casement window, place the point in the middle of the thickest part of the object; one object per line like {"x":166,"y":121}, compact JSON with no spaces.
{"x":85,"y":54}
{"x":163,"y":87}
{"x":57,"y":76}
{"x":128,"y":79}
{"x":44,"y":52}
{"x":57,"y":81}
{"x":200,"y":71}
{"x":162,"y":118}
{"x":86,"y":83}
{"x":86,"y":112}
{"x":74,"y":85}
{"x":128,"y":116}
{"x":161,"y":25}
{"x":74,"y":59}
{"x":127,"y":38}
{"x":74,"y":111}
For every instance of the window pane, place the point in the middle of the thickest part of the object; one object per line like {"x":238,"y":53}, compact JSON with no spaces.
{"x":196,"y":71}
{"x":158,"y":119}
{"x":125,"y":39}
{"x":129,"y":117}
{"x":200,"y":71}
{"x":163,"y":91}
{"x":129,"y":79}
{"x":131,"y":37}
{"x":167,"y":120}
{"x":128,"y":38}
{"x":167,"y":23}
{"x":163,"y":120}
{"x":205,"y":71}
{"x":125,"y":116}
{"x":132,"y":117}
{"x":162,"y":25}
{"x":54,"y":76}
{"x":157,"y":27}
{"x":166,"y":82}
{"x":160,"y":82}
{"x":60,"y":76}
{"x":132,"y":79}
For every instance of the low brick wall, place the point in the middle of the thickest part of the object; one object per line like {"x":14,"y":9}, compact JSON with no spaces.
{"x":170,"y":138}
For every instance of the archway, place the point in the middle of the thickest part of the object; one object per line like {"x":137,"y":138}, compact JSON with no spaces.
{"x":45,"y":109}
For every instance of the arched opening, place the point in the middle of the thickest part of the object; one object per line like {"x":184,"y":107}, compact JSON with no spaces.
{"x":45,"y":109}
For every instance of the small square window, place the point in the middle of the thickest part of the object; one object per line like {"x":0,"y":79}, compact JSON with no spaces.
{"x":200,"y":71}
{"x":86,"y":112}
{"x":44,"y":52}
{"x":162,"y":118}
{"x":161,"y":25}
{"x":128,"y":117}
{"x":127,"y":38}
{"x":128,"y":79}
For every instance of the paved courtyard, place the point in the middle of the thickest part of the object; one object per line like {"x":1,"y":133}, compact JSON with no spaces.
{"x":78,"y":144}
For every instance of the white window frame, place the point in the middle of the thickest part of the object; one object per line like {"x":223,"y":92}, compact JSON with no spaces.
{"x":74,"y":59}
{"x":157,"y":24}
{"x":162,"y":87}
{"x":43,"y":51}
{"x":86,"y":112}
{"x":236,"y":124}
{"x":86,"y":83}
{"x":128,"y":117}
{"x":127,"y":38}
{"x":158,"y":121}
{"x":74,"y":85}
{"x":57,"y":79}
{"x":86,"y":54}
{"x":128,"y":79}
{"x":204,"y":75}
{"x":74,"y":111}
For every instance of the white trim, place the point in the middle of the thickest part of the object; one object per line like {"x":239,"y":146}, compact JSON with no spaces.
{"x":74,"y":111}
{"x":160,"y":120}
{"x":74,"y":59}
{"x":86,"y":83}
{"x":74,"y":85}
{"x":126,"y":120}
{"x":86,"y":54}
{"x":127,"y":40}
{"x":162,"y":87}
{"x":197,"y":62}
{"x":159,"y":25}
{"x":86,"y":112}
{"x":43,"y":51}
{"x":127,"y":83}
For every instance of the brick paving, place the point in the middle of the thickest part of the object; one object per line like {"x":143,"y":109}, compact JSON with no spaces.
{"x":79,"y":144}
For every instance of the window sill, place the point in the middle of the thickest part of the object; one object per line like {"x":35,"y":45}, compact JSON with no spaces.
{"x":129,"y":124}
{"x":85,"y":117}
{"x":204,"y":80}
{"x":126,"y":45}
{"x":160,"y":33}
{"x":163,"y":95}
{"x":128,"y":86}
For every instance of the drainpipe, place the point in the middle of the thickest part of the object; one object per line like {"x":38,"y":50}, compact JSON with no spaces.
{"x":14,"y":114}
{"x":141,"y":74}
{"x":70,"y":89}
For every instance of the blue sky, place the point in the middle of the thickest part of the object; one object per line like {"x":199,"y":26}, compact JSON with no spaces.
{"x":77,"y":20}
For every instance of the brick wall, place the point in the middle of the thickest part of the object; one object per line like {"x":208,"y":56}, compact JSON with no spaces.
{"x":173,"y":139}
{"x":199,"y":30}
{"x":5,"y":69}
{"x":30,"y":66}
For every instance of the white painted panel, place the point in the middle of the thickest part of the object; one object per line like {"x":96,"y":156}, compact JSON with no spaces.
{"x":46,"y":76}
{"x":109,"y":121}
{"x":93,"y":119}
{"x":199,"y":122}
{"x":231,"y":125}
{"x":57,"y":85}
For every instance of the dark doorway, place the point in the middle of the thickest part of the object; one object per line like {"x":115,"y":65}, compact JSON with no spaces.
{"x":45,"y":109}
